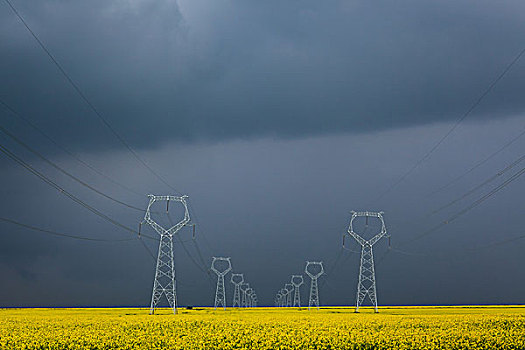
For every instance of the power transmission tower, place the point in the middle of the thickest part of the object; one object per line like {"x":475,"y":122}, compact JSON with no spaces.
{"x":314,"y":290}
{"x":297,"y":281}
{"x":249,"y":297}
{"x":237,"y":279}
{"x":282,"y":297}
{"x":289,"y":289}
{"x":164,"y":283}
{"x":244,"y":287}
{"x":220,"y":292}
{"x":367,"y":278}
{"x":279,"y":298}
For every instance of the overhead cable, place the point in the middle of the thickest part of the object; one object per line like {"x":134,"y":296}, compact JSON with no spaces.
{"x":86,"y":100}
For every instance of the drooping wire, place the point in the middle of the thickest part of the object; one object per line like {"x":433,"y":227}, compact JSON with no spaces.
{"x":477,"y":165}
{"x":61,"y":234}
{"x":462,"y":251}
{"x":67,"y":151}
{"x":466,"y":194}
{"x":201,"y":230}
{"x":87,"y":101}
{"x":68,"y":174}
{"x":66,"y":193}
{"x":474,"y":189}
{"x":332,"y":267}
{"x":192,"y":259}
{"x":469,"y":207}
{"x":456,"y":124}
{"x":148,"y":250}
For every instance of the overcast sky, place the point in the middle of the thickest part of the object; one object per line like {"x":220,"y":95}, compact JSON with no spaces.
{"x":277,"y":119}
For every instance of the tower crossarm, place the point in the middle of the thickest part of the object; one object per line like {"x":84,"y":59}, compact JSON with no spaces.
{"x":175,"y":228}
{"x":358,"y":238}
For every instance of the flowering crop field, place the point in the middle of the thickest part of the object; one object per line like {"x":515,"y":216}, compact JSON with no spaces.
{"x":265,"y":328}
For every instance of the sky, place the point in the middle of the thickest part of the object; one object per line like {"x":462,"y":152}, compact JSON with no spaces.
{"x":277,"y":119}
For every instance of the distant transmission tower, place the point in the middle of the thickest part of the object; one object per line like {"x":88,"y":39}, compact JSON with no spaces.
{"x":249,"y":297}
{"x":164,"y":282}
{"x":314,"y":290}
{"x":279,"y":298}
{"x":220,"y":292}
{"x":367,"y":278}
{"x":237,"y":279}
{"x":244,"y":287}
{"x":297,"y":281}
{"x":289,"y":289}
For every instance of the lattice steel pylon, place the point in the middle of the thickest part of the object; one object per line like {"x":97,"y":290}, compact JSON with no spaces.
{"x":165,"y":283}
{"x":244,"y":287}
{"x":249,"y":297}
{"x":314,"y":290}
{"x":297,"y":281}
{"x":220,"y":292}
{"x":237,"y":279}
{"x":289,"y":289}
{"x":366,"y":285}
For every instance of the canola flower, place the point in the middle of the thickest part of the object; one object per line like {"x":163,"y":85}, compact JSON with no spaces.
{"x":265,"y":328}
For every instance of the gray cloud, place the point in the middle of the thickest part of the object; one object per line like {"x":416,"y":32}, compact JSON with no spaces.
{"x":270,"y":205}
{"x":201,"y":70}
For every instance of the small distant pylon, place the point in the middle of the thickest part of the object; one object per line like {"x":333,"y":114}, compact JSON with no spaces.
{"x":249,"y":297}
{"x":220,"y":292}
{"x":314,"y":290}
{"x":237,"y":279}
{"x":282,"y":299}
{"x":297,"y":281}
{"x":244,"y":287}
{"x":289,"y":289}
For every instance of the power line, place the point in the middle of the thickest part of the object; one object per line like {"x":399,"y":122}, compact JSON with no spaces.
{"x":65,"y":150}
{"x":468,"y":193}
{"x":458,"y":122}
{"x":203,"y":267}
{"x":477,"y":165}
{"x":87,"y":101}
{"x":67,"y":193}
{"x":469,"y":207}
{"x":61,"y":234}
{"x":71,"y":176}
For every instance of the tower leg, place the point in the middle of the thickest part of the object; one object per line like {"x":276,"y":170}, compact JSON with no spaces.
{"x":314,"y":295}
{"x":164,"y":282}
{"x":237,"y":296}
{"x":367,"y":280}
{"x":297,"y":297}
{"x":220,"y":295}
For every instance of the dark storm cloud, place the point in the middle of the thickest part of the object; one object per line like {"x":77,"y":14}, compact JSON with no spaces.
{"x":277,"y":118}
{"x":271,"y":205}
{"x":212,"y":70}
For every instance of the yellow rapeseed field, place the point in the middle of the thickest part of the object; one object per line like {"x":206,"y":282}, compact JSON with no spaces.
{"x":265,"y":328}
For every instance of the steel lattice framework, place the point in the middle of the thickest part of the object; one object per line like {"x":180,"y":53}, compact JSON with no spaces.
{"x":220,"y":292}
{"x":165,"y":283}
{"x":289,"y":289}
{"x":244,"y":287}
{"x":366,"y":285}
{"x":237,"y":279}
{"x":314,"y":290}
{"x":297,"y":281}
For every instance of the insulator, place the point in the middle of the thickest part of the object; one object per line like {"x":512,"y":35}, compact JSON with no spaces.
{"x":167,"y":205}
{"x":366,"y":221}
{"x":140,"y":227}
{"x":343,"y":241}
